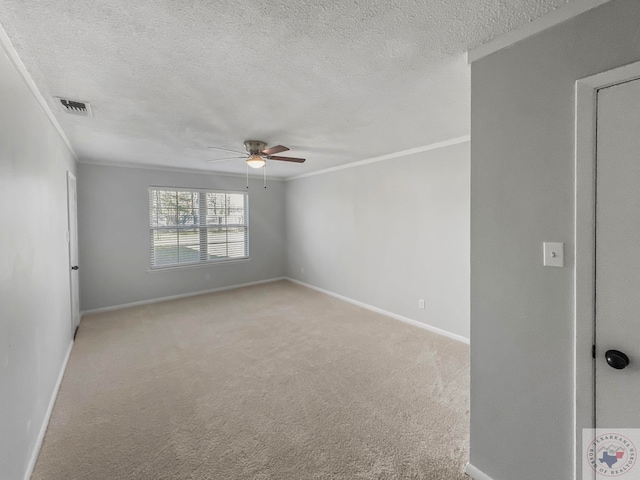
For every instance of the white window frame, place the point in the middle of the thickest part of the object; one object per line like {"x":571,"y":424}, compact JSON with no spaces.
{"x":201,"y":262}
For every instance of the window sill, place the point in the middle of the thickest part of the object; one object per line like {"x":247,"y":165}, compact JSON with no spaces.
{"x":197,"y":265}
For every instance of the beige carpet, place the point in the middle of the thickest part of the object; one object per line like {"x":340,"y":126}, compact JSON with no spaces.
{"x":275,"y":381}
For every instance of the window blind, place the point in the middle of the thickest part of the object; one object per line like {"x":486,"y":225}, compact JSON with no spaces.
{"x":191,"y":226}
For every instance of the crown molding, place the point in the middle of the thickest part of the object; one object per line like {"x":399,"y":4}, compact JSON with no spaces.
{"x":551,"y":19}
{"x":402,"y":153}
{"x":162,"y":168}
{"x":12,"y":55}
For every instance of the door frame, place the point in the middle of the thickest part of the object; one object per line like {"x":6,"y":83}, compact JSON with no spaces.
{"x":586,"y":90}
{"x":74,"y":323}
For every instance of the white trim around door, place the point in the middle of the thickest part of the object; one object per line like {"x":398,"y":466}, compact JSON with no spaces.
{"x":586,"y":90}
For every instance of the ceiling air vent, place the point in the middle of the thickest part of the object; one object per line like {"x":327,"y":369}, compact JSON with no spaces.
{"x":75,"y":107}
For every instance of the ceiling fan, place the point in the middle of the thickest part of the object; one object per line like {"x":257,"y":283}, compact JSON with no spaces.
{"x":258,"y":154}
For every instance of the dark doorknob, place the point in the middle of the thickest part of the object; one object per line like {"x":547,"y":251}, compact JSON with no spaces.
{"x":75,"y":267}
{"x":616,"y":359}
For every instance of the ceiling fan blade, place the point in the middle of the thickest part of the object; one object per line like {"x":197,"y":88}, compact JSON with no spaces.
{"x":287,"y":159}
{"x":272,"y":150}
{"x":227,"y":150}
{"x":225,"y":159}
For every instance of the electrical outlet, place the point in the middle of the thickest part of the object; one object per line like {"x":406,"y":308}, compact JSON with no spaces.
{"x":301,"y":269}
{"x":421,"y":303}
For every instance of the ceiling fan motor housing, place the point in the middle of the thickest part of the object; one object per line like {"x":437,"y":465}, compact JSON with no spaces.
{"x":255,"y":146}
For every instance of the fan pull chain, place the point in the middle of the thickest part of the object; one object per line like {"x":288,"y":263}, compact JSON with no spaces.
{"x":247,"y":175}
{"x":265,"y":175}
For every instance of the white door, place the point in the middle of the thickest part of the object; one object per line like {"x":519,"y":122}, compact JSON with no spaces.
{"x":72,"y":205}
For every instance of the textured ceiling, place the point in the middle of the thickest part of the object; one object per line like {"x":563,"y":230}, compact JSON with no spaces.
{"x":336,"y":81}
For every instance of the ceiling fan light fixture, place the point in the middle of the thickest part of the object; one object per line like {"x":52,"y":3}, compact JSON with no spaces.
{"x":256,"y":161}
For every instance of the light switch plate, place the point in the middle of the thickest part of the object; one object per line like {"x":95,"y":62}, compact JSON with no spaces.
{"x":553,"y":254}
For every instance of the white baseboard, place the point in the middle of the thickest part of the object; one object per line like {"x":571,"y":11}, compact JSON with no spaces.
{"x":182,"y":295}
{"x":476,"y":473}
{"x":410,"y":321}
{"x":47,"y":417}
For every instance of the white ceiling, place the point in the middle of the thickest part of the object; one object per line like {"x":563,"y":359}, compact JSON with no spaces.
{"x":336,"y":81}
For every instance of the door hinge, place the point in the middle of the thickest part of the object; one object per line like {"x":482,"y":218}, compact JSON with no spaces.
{"x":593,"y":351}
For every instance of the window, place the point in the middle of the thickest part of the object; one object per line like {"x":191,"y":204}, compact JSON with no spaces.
{"x":190,"y":226}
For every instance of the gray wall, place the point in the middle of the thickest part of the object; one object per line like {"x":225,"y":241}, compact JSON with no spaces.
{"x":387,"y":234}
{"x":113,"y":218}
{"x":522,"y":193}
{"x":35,"y":310}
